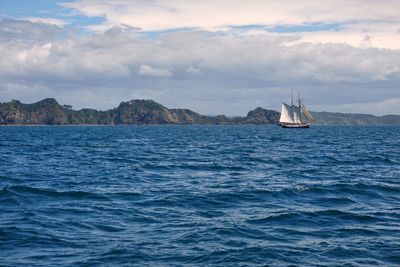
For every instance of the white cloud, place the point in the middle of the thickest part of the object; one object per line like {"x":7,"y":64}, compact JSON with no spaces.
{"x":386,"y":106}
{"x":207,"y":14}
{"x":194,"y":71}
{"x":146,"y":70}
{"x":15,"y":89}
{"x":51,"y":21}
{"x":209,"y":72}
{"x":28,"y":31}
{"x":354,"y":19}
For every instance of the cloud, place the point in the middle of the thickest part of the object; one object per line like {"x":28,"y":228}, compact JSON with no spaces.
{"x":12,"y":29}
{"x":386,"y":106}
{"x":194,"y":71}
{"x":207,"y":71}
{"x":168,"y":14}
{"x":146,"y":70}
{"x":353,"y":19}
{"x":380,"y":35}
{"x":51,"y":21}
{"x":315,"y":21}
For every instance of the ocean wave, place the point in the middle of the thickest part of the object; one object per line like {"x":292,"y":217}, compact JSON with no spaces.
{"x":27,"y":190}
{"x":199,"y":195}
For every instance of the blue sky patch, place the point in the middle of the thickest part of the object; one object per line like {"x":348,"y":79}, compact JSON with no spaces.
{"x":315,"y":27}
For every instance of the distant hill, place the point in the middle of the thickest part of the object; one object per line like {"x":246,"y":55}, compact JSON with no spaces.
{"x":50,"y":112}
{"x":335,"y":118}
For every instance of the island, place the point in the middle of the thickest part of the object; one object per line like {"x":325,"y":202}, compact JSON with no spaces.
{"x":141,"y":112}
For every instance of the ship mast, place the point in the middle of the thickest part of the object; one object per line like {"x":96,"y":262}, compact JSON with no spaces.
{"x":291,"y":91}
{"x":299,"y":107}
{"x":291,"y":106}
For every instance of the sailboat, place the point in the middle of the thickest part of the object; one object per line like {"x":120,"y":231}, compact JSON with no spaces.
{"x":293,"y":116}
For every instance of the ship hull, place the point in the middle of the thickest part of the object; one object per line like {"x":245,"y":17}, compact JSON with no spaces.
{"x":294,"y":126}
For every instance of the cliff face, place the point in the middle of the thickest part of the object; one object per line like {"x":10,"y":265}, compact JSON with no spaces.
{"x":144,"y":112}
{"x":49,"y":112}
{"x":186,"y":116}
{"x":262,"y":116}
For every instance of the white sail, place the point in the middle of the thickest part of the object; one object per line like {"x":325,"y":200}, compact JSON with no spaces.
{"x":310,"y":118}
{"x":286,"y":114}
{"x":296,"y":114}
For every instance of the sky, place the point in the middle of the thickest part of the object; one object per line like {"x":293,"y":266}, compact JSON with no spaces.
{"x":214,"y":57}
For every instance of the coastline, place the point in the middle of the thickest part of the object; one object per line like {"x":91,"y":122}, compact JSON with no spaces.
{"x":148,"y":112}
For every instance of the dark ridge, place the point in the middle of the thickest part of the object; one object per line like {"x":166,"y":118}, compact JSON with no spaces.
{"x":49,"y":112}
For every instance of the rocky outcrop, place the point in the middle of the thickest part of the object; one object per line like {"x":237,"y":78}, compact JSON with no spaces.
{"x":143,"y":112}
{"x":46,"y":111}
{"x":262,"y":116}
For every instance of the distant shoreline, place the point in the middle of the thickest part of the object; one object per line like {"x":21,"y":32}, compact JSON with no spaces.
{"x":183,"y":125}
{"x":148,"y":112}
{"x":127,"y":125}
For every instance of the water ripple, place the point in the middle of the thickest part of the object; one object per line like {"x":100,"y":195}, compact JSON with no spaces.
{"x":199,"y":195}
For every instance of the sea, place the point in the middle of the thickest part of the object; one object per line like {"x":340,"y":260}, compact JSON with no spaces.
{"x":199,"y":196}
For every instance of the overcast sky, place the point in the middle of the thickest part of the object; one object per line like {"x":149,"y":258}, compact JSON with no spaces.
{"x":212,"y":56}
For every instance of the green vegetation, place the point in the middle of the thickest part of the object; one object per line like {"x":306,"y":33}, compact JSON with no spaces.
{"x":334,"y":118}
{"x":49,"y":112}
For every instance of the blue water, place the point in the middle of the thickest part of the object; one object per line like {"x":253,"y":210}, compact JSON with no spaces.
{"x":199,"y":195}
